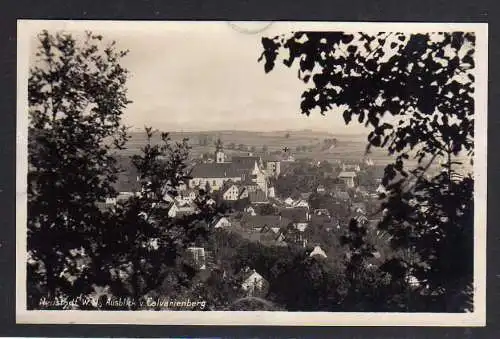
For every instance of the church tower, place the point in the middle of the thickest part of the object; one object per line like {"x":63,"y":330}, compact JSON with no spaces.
{"x":220,"y":157}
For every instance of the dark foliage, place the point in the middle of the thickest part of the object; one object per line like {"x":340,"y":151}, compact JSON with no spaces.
{"x":415,"y":93}
{"x":76,"y":96}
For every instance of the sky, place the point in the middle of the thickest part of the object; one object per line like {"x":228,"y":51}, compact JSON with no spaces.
{"x":198,"y":77}
{"x":192,"y":76}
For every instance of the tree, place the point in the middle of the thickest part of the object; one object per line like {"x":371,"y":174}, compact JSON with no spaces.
{"x":142,"y":246}
{"x":265,"y":148}
{"x":415,"y":93}
{"x":208,"y":189}
{"x":76,"y":96}
{"x":366,"y":282}
{"x":253,"y":148}
{"x":317,"y":286}
{"x":242,"y":147}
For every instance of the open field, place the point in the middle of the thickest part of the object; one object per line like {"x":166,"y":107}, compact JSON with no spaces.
{"x":348,"y":147}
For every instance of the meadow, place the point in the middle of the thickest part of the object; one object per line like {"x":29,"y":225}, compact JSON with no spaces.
{"x":348,"y":147}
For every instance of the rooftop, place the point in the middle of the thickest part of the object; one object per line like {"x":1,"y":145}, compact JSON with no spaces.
{"x":347,"y":174}
{"x":257,"y":196}
{"x":245,"y":162}
{"x":296,"y":214}
{"x":259,"y":221}
{"x":215,"y":170}
{"x":318,"y":251}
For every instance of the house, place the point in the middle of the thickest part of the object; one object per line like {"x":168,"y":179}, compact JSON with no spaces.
{"x":298,"y":215}
{"x":257,"y":175}
{"x":221,"y":222}
{"x":294,"y":235}
{"x":179,"y":209}
{"x":247,"y":169}
{"x":243,"y":194}
{"x":358,"y":207}
{"x":250,"y":210}
{"x":369,"y":162}
{"x":254,"y":283}
{"x":305,"y":196}
{"x":110,"y":201}
{"x":106,"y":206}
{"x":257,"y":222}
{"x":211,"y":202}
{"x":250,"y":186}
{"x":348,"y":178}
{"x":271,"y":192}
{"x":281,"y":237}
{"x":266,"y":229}
{"x":321,"y":212}
{"x":301,"y":203}
{"x":230,"y":191}
{"x":301,"y":226}
{"x":412,"y":281}
{"x":351,"y":167}
{"x":213,"y":175}
{"x":381,"y":189}
{"x":173,"y":210}
{"x":187,"y":196}
{"x":318,"y":252}
{"x":362,"y":220}
{"x":233,"y":191}
{"x":320,"y":189}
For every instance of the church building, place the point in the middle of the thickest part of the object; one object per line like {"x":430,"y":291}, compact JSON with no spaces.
{"x":248,"y":171}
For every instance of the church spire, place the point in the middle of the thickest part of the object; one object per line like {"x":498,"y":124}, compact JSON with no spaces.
{"x":219,"y":151}
{"x":219,"y":147}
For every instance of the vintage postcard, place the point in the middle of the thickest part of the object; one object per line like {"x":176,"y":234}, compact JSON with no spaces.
{"x":251,"y":173}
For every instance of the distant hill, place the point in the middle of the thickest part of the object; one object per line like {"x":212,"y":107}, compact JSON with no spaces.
{"x":301,"y":144}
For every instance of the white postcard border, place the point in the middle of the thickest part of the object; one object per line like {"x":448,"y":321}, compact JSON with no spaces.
{"x":477,"y":318}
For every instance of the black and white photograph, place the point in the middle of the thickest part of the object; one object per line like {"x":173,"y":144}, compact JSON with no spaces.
{"x":254,"y":173}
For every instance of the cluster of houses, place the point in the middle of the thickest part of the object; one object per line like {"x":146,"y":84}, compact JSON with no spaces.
{"x":248,"y":178}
